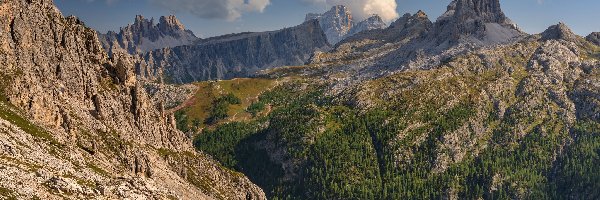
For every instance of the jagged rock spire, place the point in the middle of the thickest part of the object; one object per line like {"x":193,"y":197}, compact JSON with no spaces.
{"x":170,"y":24}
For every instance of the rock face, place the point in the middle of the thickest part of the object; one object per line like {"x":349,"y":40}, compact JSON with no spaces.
{"x":144,"y":35}
{"x":234,"y":55}
{"x":594,"y":38}
{"x":338,"y":23}
{"x":77,"y":124}
{"x":480,"y":22}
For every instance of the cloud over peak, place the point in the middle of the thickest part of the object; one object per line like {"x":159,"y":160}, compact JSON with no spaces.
{"x":362,"y":9}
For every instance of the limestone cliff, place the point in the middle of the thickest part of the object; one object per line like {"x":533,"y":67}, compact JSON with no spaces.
{"x":76,"y":124}
{"x":233,"y":55}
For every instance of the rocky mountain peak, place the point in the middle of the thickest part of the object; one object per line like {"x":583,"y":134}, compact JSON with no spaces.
{"x":141,"y":24}
{"x":144,"y":35}
{"x":487,"y":10}
{"x":559,"y":31}
{"x":373,"y":22}
{"x":419,"y":17}
{"x":479,"y":22}
{"x":421,"y":14}
{"x":405,"y":28}
{"x":139,"y":19}
{"x":338,"y":23}
{"x":170,"y":24}
{"x":594,"y":38}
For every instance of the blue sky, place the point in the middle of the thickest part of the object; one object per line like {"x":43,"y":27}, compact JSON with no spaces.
{"x":533,"y":16}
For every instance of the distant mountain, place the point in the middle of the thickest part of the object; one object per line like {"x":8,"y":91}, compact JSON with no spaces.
{"x":594,"y":38}
{"x":234,"y":55}
{"x":372,"y":23}
{"x":414,"y":42}
{"x":144,"y":35}
{"x":338,"y":23}
{"x":406,"y":27}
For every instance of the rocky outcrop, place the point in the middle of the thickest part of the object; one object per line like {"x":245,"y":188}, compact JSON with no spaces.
{"x":234,"y":55}
{"x":594,"y":38}
{"x":77,"y":124}
{"x":478,"y":22}
{"x":144,"y":35}
{"x":559,"y":32}
{"x":338,"y":23}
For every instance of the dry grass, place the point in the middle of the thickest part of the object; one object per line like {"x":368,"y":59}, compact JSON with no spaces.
{"x":247,"y":89}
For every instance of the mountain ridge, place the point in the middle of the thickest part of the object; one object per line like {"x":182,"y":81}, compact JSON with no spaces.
{"x":233,"y":55}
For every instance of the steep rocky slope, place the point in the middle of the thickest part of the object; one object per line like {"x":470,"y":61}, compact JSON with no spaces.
{"x":233,"y":55}
{"x":144,"y":35}
{"x":75,"y":124}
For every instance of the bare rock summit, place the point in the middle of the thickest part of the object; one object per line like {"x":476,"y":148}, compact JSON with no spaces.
{"x":479,"y":22}
{"x":77,"y":124}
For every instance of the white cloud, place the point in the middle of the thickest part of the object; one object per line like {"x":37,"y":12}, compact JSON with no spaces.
{"x":214,"y":9}
{"x":362,"y":9}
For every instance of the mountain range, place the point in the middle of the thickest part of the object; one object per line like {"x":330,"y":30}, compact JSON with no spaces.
{"x":144,"y":35}
{"x":235,"y":55}
{"x":464,"y":107}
